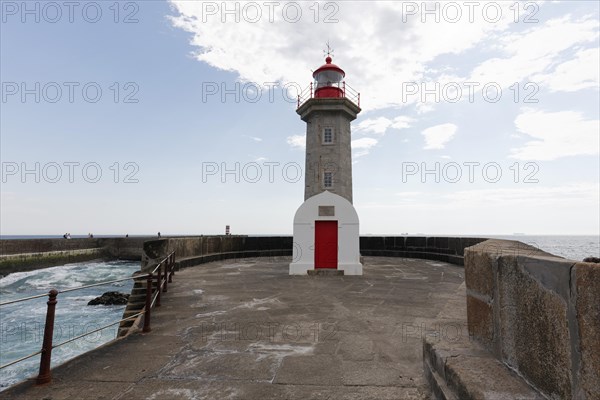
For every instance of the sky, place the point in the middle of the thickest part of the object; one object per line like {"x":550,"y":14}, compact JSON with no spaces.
{"x":179,"y":116}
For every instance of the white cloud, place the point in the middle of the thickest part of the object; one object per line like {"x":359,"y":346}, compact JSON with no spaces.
{"x":401,"y":122}
{"x":256,"y":139}
{"x":437,"y":136}
{"x":408,"y":194}
{"x":409,"y":197}
{"x":362,"y":146}
{"x":517,"y":208}
{"x":423,"y":107}
{"x":534,"y":51}
{"x":380,"y":125}
{"x":532,"y":195}
{"x":558,"y":134}
{"x":581,"y":72}
{"x":577,"y":194}
{"x":368,"y":45}
{"x":297,"y":141}
{"x":364,"y":143}
{"x":375,"y":125}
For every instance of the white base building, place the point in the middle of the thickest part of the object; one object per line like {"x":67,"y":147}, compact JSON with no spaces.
{"x":326,"y":235}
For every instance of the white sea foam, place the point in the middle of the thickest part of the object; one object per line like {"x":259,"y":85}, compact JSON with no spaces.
{"x":22,"y":323}
{"x":16,"y":276}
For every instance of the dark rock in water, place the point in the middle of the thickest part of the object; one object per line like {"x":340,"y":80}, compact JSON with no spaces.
{"x":592,"y":259}
{"x":110,"y":299}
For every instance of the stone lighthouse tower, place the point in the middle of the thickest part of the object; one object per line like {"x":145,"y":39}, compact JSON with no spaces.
{"x":326,"y":226}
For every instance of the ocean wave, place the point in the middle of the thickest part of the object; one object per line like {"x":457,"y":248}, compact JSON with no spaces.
{"x":22,"y":323}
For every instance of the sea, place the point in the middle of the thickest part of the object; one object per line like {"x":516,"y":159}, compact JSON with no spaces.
{"x":574,"y":247}
{"x":22,"y":324}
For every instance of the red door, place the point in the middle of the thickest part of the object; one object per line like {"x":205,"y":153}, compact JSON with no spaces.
{"x":326,"y":244}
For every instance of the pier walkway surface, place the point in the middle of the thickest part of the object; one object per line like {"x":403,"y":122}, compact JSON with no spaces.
{"x":245,"y":329}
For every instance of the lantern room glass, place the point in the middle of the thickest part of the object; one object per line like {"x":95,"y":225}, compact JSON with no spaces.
{"x":328,"y":78}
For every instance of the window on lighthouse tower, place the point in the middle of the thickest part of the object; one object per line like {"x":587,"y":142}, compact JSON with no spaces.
{"x":327,"y":135}
{"x":328,"y":180}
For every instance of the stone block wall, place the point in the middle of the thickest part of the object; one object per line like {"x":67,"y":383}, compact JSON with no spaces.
{"x":447,"y":249}
{"x":18,"y":255}
{"x":537,"y":313}
{"x":199,"y":249}
{"x":21,"y":246}
{"x":196,"y":250}
{"x":42,"y":253}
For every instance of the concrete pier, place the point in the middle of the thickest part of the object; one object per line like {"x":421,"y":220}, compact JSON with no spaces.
{"x":245,"y":329}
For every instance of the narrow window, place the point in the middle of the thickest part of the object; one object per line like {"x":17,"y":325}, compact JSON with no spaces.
{"x":327,"y":135}
{"x":328,"y":180}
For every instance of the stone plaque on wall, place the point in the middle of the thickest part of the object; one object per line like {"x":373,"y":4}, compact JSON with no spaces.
{"x":326,"y":211}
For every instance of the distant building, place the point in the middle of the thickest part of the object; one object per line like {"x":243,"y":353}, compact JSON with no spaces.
{"x":326,"y":225}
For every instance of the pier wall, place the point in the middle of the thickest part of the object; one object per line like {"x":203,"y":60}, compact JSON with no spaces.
{"x":17,"y":255}
{"x":29,"y":254}
{"x":537,"y":313}
{"x":437,"y":248}
{"x":201,"y":249}
{"x":192,"y":251}
{"x":20,"y":246}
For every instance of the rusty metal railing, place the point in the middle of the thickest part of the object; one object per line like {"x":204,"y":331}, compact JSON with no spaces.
{"x":152,"y":299}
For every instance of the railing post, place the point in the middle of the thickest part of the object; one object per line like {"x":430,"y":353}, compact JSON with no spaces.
{"x":359,"y":99}
{"x":166,"y":277}
{"x":158,"y":290}
{"x":173,"y":269}
{"x":45,"y":376}
{"x":311,"y":90}
{"x":344,"y":84}
{"x":148,"y":303}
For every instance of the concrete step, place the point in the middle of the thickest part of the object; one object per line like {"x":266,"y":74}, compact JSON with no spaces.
{"x":437,"y":385}
{"x":135,"y":306}
{"x":325,"y":272}
{"x":457,"y":367}
{"x":130,"y":313}
{"x":141,"y":291}
{"x":126,"y":324}
{"x":470,"y":373}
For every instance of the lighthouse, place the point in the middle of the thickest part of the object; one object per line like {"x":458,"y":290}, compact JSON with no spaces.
{"x":326,"y":225}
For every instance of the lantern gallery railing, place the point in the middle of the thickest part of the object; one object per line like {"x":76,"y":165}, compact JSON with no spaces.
{"x":162,"y":273}
{"x":346,"y":91}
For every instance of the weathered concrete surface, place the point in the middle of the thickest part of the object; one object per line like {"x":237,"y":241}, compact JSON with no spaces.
{"x":587,"y":292}
{"x":537,"y":313}
{"x":457,"y":368}
{"x":535,"y":330}
{"x":481,"y":319}
{"x":245,"y":329}
{"x":10,"y":263}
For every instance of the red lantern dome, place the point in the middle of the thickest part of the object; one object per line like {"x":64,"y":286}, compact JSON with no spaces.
{"x":328,"y":78}
{"x":329,"y":84}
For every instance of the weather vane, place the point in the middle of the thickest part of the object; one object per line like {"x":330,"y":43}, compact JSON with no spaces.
{"x":329,"y":51}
